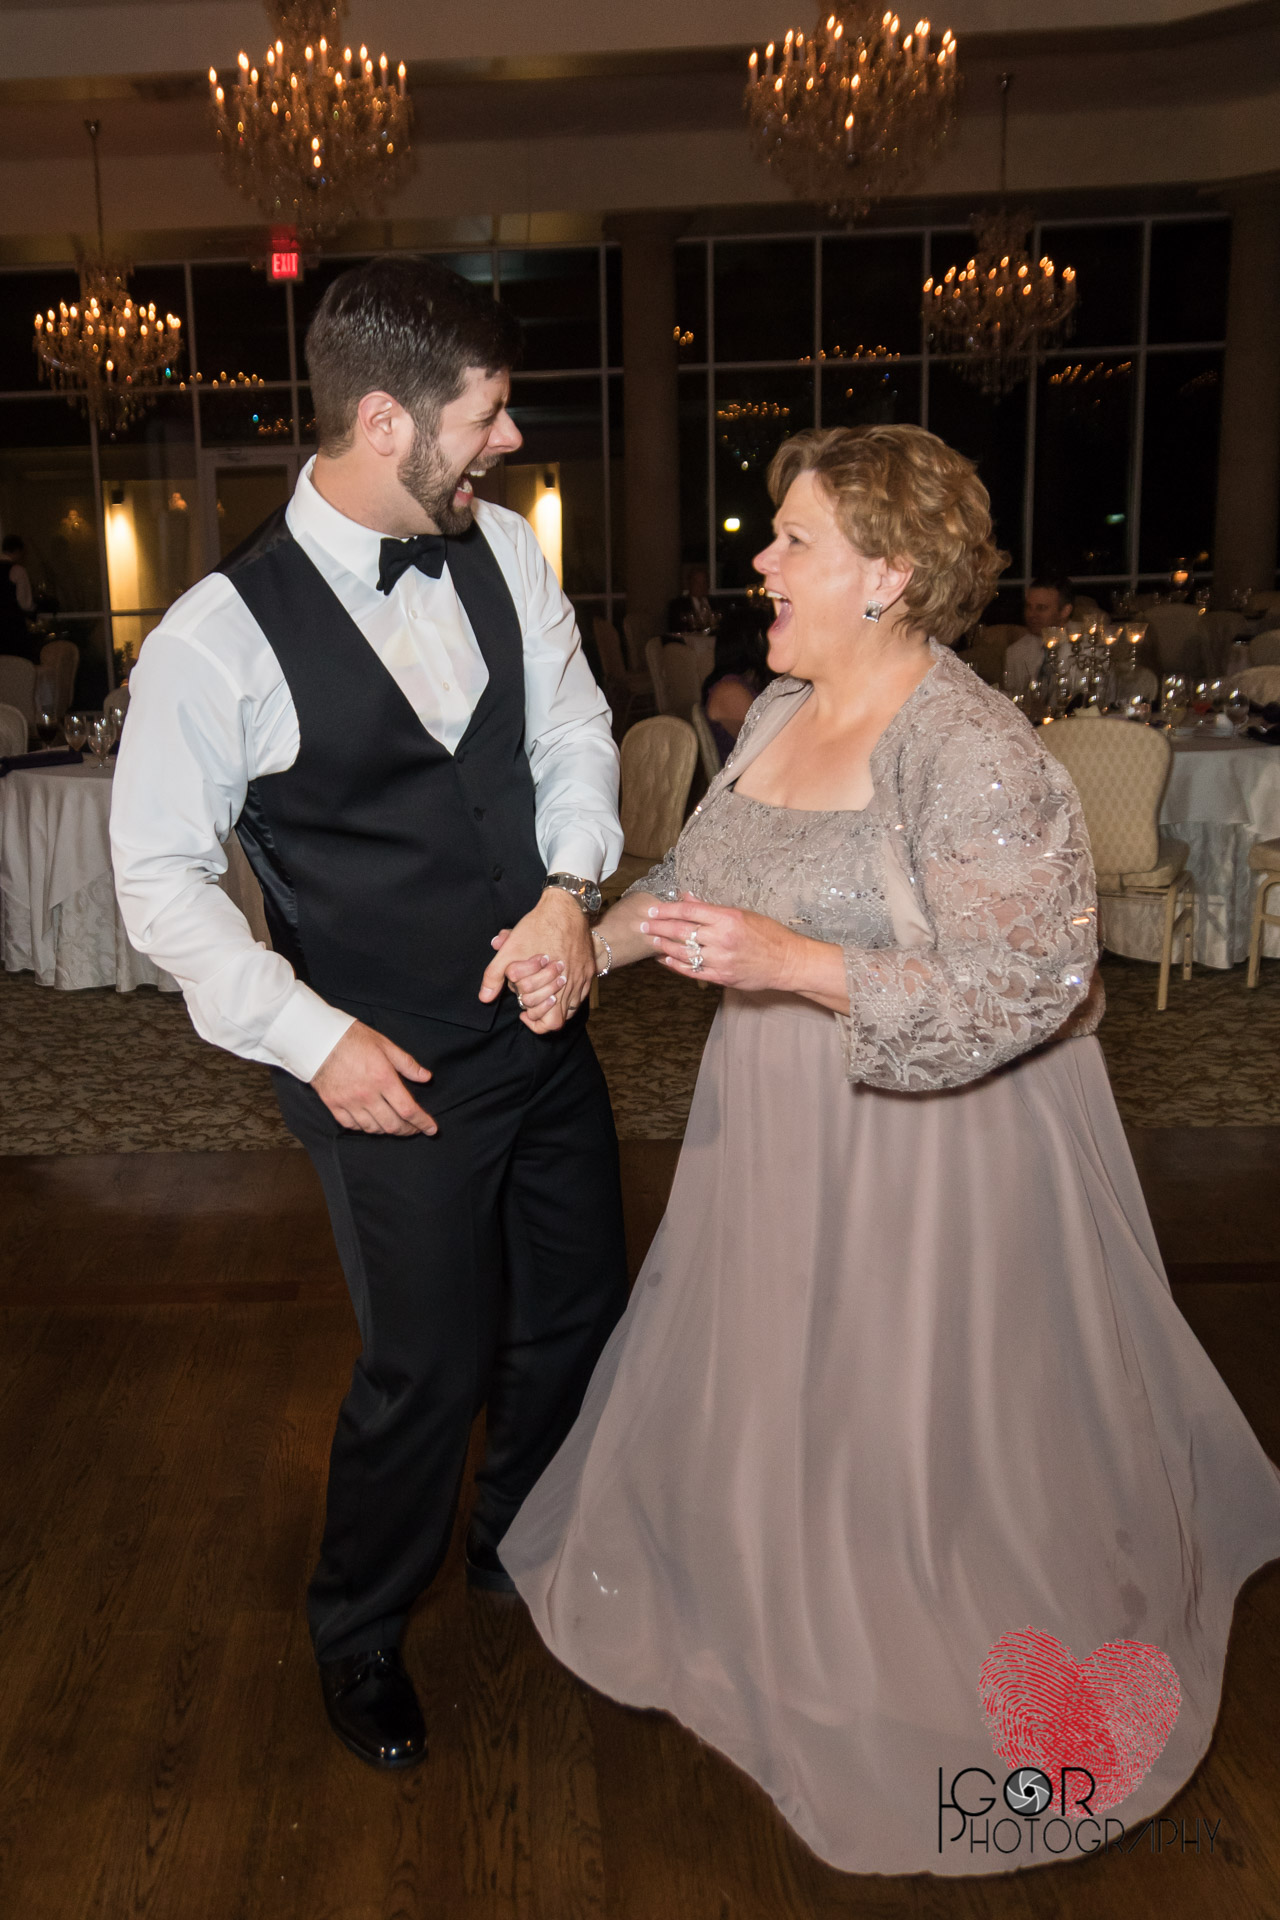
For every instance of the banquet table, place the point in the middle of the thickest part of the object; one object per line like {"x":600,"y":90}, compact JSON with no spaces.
{"x":1223,"y":794}
{"x":58,"y":911}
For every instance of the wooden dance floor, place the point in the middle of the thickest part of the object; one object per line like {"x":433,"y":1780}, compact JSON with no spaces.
{"x":176,"y":1341}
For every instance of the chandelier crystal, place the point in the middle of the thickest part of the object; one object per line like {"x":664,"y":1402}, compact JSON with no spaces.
{"x":1003,"y":307}
{"x":855,"y":110}
{"x":105,"y":346}
{"x":318,"y":136}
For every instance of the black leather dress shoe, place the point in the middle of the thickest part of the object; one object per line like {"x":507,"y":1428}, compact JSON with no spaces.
{"x":373,"y":1708}
{"x":485,"y":1570}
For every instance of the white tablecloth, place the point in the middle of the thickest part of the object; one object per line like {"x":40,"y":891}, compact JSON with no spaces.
{"x":58,"y":912}
{"x":1222,"y":796}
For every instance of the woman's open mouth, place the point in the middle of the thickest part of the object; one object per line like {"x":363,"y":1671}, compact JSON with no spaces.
{"x":781,"y":612}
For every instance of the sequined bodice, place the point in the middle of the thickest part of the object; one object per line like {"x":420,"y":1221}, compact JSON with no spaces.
{"x":963,"y":896}
{"x":821,"y":873}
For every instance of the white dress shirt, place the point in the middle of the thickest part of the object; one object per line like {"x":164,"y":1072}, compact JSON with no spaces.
{"x":22,"y":587}
{"x":210,"y":710}
{"x":1023,"y":661}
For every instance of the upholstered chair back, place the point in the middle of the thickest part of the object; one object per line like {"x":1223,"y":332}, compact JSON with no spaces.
{"x":1120,"y":772}
{"x":658,"y":758}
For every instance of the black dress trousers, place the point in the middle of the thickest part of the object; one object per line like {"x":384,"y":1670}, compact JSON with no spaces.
{"x":486,"y":1265}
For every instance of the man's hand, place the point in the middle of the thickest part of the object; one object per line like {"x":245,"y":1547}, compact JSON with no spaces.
{"x":362,"y":1084}
{"x":551,"y":945}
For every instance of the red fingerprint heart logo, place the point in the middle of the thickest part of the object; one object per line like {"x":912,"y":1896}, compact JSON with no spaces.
{"x":1111,"y":1713}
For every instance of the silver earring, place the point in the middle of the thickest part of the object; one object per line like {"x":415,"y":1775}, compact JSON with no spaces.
{"x":873,"y":612}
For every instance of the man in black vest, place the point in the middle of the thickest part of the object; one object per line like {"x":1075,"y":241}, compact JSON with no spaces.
{"x":383,"y":693}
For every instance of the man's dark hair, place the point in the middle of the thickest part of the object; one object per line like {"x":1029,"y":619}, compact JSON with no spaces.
{"x":1055,"y":583}
{"x":13,"y":543}
{"x":404,"y":325}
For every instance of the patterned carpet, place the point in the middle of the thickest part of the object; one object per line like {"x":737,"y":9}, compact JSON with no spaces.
{"x":101,"y":1072}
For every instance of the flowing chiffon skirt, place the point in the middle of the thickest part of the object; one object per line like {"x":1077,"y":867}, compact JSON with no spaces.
{"x":901,"y":1375}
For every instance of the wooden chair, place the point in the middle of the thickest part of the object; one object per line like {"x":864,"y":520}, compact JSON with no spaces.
{"x":61,"y":658}
{"x":635,"y":642}
{"x":13,"y":731}
{"x":1120,"y":772}
{"x":622,"y":688}
{"x":1264,"y":860}
{"x":677,"y":673}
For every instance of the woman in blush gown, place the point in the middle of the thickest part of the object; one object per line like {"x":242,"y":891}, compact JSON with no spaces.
{"x":902,"y":1460}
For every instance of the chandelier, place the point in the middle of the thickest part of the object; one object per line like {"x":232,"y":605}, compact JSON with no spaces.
{"x":1003,"y":307}
{"x":851,"y":113}
{"x":315,"y":138}
{"x":106,"y":345}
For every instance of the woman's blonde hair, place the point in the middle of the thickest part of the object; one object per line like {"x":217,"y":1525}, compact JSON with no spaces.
{"x":902,"y":495}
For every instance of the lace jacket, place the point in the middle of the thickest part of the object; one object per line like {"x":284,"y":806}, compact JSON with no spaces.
{"x":995,"y":915}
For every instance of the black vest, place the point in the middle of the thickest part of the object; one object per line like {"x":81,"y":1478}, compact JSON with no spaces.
{"x":386,"y":863}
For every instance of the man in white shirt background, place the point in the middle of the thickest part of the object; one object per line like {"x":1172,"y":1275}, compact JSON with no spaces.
{"x":383,"y":693}
{"x":1046,"y":603}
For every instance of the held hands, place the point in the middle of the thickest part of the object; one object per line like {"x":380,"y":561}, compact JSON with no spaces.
{"x":744,"y":950}
{"x":362,"y":1084}
{"x":548,"y":959}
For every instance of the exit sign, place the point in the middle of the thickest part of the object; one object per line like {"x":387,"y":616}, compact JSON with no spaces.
{"x":284,"y":265}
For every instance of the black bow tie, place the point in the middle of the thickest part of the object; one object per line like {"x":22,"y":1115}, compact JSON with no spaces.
{"x":425,"y":551}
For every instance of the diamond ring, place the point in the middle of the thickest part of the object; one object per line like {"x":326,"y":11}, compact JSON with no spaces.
{"x":693,"y":946}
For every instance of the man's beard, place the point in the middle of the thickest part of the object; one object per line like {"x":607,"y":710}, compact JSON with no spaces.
{"x":423,"y":474}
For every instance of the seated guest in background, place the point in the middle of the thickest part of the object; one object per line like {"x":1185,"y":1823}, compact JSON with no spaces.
{"x":1047,"y":603}
{"x":741,"y":673}
{"x":691,"y":611}
{"x":16,"y":600}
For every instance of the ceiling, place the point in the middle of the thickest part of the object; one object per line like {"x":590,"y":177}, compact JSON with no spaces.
{"x":1144,"y":100}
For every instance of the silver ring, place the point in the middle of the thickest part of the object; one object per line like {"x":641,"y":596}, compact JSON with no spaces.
{"x":693,"y":947}
{"x":520,"y":1001}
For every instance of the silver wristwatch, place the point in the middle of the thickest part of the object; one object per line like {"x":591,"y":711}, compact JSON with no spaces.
{"x":585,"y":892}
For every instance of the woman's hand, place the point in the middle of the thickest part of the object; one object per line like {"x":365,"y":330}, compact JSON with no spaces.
{"x":744,"y":950}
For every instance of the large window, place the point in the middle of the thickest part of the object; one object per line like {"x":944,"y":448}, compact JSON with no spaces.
{"x":1103,"y":465}
{"x":118,"y":525}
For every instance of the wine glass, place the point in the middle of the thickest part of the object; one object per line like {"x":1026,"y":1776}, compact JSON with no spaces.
{"x":46,"y":725}
{"x":1173,"y":700}
{"x":101,"y":738}
{"x":74,"y":730}
{"x":1237,"y":707}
